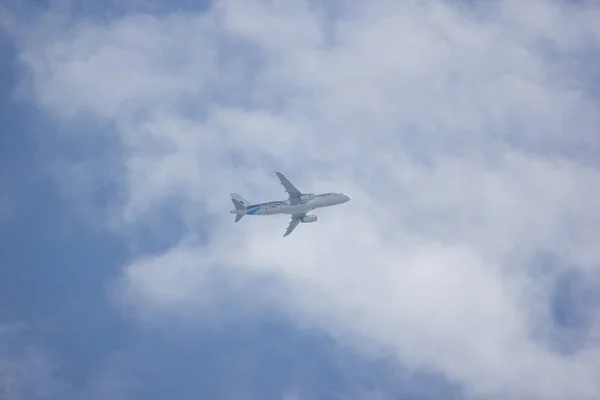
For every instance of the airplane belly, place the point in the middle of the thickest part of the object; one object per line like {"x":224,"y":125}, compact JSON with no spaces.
{"x":288,"y":209}
{"x":309,"y":206}
{"x":268,"y":211}
{"x":283,"y":208}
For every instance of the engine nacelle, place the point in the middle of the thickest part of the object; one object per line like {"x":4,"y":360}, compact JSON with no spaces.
{"x":309,"y":218}
{"x":307,"y":197}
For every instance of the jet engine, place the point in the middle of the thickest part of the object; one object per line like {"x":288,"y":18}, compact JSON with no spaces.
{"x":307,"y":197}
{"x":309,"y":218}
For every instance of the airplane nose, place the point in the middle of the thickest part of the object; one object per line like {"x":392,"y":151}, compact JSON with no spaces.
{"x":347,"y":198}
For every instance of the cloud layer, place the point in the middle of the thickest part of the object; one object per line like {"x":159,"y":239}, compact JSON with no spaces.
{"x":466,"y":135}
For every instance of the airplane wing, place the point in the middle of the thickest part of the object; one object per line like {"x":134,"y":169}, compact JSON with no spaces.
{"x":294,"y":223}
{"x":289,"y":188}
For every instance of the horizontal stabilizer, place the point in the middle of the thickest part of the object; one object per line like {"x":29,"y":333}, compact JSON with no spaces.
{"x":238,"y":205}
{"x":240,"y":199}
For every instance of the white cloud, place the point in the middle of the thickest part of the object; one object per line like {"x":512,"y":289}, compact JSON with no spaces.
{"x":464,"y":137}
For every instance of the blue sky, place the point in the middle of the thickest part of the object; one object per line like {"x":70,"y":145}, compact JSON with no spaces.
{"x":466,"y":265}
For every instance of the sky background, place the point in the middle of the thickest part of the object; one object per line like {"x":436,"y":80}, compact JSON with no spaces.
{"x":466,"y":266}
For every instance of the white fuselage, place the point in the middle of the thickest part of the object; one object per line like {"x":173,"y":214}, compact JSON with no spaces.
{"x":284,"y":206}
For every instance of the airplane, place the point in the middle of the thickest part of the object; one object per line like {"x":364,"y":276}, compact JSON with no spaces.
{"x":298,"y":204}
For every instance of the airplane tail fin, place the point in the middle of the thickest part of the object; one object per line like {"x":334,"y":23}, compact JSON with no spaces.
{"x":240,"y":205}
{"x":244,"y":203}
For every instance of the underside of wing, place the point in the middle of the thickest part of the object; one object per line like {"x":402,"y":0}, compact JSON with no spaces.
{"x":296,"y":218}
{"x":292,"y":191}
